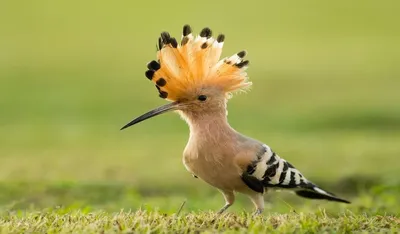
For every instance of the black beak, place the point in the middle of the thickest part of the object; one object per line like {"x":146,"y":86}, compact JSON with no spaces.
{"x":152,"y":113}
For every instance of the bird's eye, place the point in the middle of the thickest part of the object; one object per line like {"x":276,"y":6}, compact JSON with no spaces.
{"x":202,"y":98}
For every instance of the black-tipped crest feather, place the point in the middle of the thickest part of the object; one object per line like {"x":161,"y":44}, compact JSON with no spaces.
{"x":173,"y":42}
{"x":206,"y":32}
{"x":241,"y":54}
{"x":153,"y":65}
{"x":242,"y":64}
{"x":186,"y":30}
{"x":221,"y":38}
{"x":165,"y":37}
{"x":149,"y":74}
{"x":161,"y":82}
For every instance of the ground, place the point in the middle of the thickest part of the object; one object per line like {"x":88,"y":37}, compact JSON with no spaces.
{"x":325,"y":97}
{"x":57,"y":220}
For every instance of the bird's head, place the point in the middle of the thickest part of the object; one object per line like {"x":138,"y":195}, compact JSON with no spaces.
{"x":192,"y":76}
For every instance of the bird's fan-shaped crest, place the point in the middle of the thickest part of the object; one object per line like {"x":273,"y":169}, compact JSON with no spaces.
{"x":195,"y":63}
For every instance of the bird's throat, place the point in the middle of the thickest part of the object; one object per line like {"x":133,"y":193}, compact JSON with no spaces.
{"x":209,"y":128}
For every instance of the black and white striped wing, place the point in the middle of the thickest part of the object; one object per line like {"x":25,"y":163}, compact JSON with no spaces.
{"x":274,"y":171}
{"x":270,"y":171}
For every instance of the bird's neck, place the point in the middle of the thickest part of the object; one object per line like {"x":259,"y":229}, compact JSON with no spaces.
{"x":210,"y":127}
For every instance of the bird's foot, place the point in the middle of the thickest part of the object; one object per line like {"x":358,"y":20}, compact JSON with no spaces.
{"x":258,"y":212}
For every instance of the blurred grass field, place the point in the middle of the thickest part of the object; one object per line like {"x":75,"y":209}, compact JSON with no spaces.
{"x":325,"y":96}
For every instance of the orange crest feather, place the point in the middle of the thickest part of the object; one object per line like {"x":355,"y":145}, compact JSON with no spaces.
{"x":194,"y":63}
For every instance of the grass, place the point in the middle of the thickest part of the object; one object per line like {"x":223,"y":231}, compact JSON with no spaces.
{"x":141,"y":221}
{"x":325,"y":97}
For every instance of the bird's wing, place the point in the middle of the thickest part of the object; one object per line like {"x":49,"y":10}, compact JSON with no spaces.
{"x":249,"y":162}
{"x":267,"y":169}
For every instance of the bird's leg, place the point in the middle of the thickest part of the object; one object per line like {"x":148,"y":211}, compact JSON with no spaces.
{"x":258,"y":201}
{"x":229,"y":199}
{"x":225,"y":207}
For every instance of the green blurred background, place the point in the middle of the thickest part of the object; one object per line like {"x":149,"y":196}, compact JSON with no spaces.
{"x":325,"y":96}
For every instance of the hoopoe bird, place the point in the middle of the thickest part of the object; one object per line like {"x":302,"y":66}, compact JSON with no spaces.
{"x":198,"y":84}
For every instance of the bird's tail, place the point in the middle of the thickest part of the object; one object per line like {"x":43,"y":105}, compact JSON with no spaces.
{"x":312,"y":191}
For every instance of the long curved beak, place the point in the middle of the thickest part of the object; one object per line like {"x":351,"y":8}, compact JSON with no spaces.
{"x":152,"y":113}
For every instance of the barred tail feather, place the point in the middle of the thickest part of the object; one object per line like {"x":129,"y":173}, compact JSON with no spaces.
{"x":314,"y":192}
